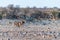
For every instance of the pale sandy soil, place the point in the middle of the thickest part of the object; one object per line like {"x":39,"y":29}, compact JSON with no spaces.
{"x":31,"y":31}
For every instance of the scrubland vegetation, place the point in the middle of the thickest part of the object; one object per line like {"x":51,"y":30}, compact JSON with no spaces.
{"x":29,"y":14}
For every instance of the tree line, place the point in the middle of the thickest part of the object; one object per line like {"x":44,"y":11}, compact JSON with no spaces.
{"x":15,"y":12}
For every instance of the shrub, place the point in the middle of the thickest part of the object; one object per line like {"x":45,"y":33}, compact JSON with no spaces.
{"x":0,"y":16}
{"x":59,"y":15}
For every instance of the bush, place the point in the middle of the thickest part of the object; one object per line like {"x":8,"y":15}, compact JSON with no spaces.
{"x":14,"y":17}
{"x":0,"y":16}
{"x":11,"y":17}
{"x":23,"y":16}
{"x":59,"y":15}
{"x":36,"y":15}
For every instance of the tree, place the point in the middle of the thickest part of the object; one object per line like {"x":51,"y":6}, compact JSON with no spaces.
{"x":11,"y":6}
{"x":55,"y":14}
{"x":17,"y":8}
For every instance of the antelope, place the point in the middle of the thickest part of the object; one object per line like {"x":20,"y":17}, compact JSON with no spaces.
{"x":19,"y":23}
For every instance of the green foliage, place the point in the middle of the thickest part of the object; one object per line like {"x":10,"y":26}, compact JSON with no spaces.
{"x":54,"y":14}
{"x":58,"y":15}
{"x":0,"y":16}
